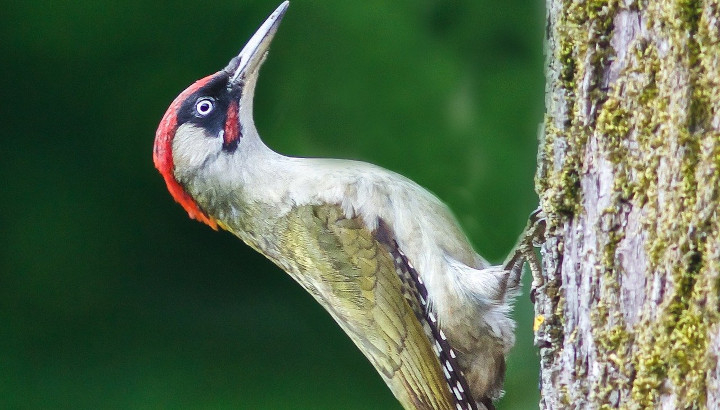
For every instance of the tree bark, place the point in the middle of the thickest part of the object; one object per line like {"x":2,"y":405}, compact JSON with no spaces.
{"x":629,"y":176}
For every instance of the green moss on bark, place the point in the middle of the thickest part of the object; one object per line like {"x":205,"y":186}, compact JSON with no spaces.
{"x":654,"y":126}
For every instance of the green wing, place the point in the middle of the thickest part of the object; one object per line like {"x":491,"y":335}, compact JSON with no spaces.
{"x":339,"y":261}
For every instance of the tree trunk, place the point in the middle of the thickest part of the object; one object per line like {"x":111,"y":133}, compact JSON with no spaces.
{"x":629,"y":176}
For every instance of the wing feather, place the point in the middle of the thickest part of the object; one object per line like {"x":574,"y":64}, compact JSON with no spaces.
{"x":355,"y":277}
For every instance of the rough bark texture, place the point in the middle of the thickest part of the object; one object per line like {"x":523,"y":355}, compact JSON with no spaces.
{"x":629,"y":175}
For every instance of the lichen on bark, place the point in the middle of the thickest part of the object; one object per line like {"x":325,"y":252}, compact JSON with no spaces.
{"x":628,"y":175}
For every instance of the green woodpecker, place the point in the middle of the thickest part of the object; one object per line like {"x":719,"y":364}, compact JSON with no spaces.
{"x":384,"y":256}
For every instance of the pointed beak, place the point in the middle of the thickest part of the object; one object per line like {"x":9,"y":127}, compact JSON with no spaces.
{"x":254,"y":52}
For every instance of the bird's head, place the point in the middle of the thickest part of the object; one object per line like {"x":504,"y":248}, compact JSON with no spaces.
{"x":208,"y":121}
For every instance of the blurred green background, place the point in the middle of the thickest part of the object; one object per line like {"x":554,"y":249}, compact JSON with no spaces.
{"x":110,"y":297}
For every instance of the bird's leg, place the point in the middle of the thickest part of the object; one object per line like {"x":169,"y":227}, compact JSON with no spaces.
{"x":524,"y":251}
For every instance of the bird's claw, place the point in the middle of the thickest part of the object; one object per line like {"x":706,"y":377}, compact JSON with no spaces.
{"x":532,"y":237}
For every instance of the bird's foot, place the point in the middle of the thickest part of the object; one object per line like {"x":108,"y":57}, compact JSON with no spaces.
{"x":524,"y":251}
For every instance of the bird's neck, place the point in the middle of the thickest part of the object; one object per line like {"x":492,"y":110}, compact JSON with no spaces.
{"x":241,"y":188}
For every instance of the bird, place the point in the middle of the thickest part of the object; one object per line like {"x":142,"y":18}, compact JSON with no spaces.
{"x":384,"y":257}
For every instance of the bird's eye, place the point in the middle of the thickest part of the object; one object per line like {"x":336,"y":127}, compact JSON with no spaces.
{"x":204,"y":106}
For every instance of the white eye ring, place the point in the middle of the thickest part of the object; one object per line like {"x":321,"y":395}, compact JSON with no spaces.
{"x":204,"y":106}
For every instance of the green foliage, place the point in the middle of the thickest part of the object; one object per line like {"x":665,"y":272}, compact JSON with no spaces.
{"x":111,"y":298}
